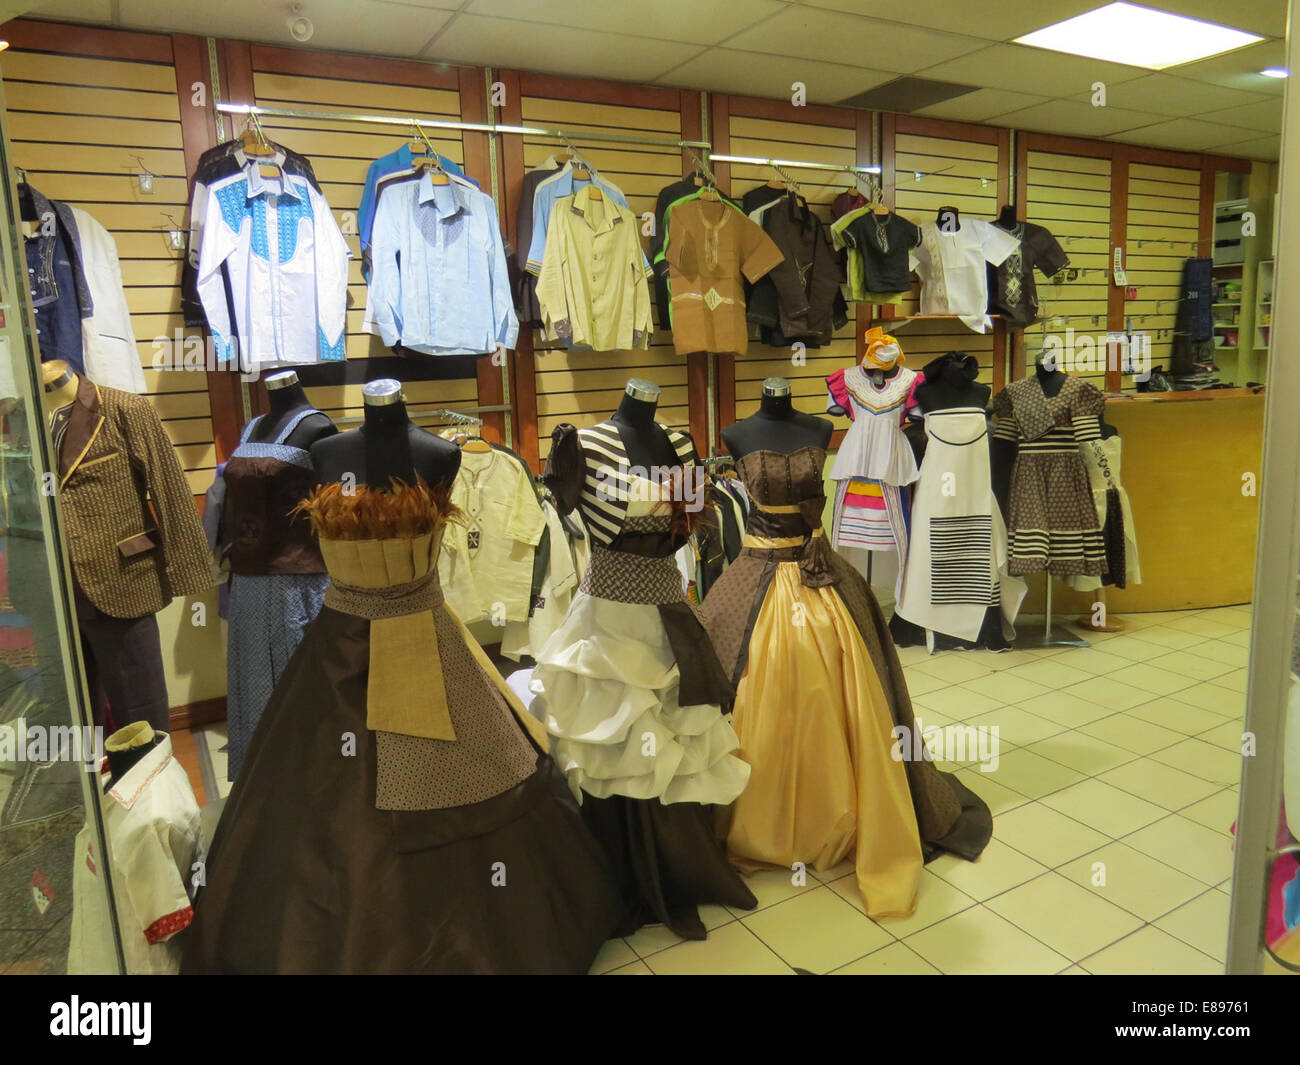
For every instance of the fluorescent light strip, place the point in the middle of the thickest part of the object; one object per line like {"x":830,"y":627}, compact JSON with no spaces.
{"x":1138,"y":37}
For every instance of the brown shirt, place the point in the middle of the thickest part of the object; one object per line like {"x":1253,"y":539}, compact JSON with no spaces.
{"x":710,"y":245}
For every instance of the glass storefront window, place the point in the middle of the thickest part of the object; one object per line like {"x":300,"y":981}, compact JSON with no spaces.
{"x":49,"y":814}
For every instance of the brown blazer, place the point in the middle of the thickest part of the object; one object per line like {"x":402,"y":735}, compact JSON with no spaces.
{"x":114,"y":460}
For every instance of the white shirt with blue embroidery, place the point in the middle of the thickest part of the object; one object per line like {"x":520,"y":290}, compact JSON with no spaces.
{"x":272,"y":271}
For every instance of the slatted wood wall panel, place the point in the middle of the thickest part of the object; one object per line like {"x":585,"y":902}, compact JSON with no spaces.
{"x":341,"y":153}
{"x":83,"y":128}
{"x":1070,"y":195}
{"x":769,"y":138}
{"x":584,"y":387}
{"x":954,"y":173}
{"x":1163,"y":226}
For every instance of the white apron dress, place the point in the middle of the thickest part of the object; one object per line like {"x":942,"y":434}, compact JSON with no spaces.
{"x":956,"y":565}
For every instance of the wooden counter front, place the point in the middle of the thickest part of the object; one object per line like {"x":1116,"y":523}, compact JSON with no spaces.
{"x":1186,"y":458}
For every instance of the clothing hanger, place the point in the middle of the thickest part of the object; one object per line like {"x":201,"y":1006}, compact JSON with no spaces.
{"x":582,"y":163}
{"x":431,"y":160}
{"x":255,"y":145}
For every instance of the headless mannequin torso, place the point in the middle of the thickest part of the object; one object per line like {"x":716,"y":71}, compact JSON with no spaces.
{"x":646,"y":440}
{"x":776,"y":426}
{"x":954,"y":386}
{"x":287,"y":398}
{"x":387,"y":446}
{"x":60,"y":386}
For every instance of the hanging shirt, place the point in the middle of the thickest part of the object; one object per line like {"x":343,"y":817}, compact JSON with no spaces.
{"x":1012,"y":291}
{"x":151,"y":824}
{"x":883,"y":246}
{"x":553,"y":598}
{"x":439,"y":282}
{"x":549,"y":192}
{"x":56,"y":276}
{"x":216,"y":164}
{"x":383,"y":173}
{"x":522,"y":283}
{"x":593,"y":288}
{"x":273,"y":270}
{"x":951,"y":267}
{"x":108,"y":339}
{"x":486,"y":564}
{"x":710,"y":245}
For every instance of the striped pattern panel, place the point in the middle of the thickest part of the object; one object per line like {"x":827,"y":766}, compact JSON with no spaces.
{"x":608,"y":487}
{"x":584,"y":387}
{"x":955,"y":173}
{"x":1163,"y":225}
{"x":1070,"y":195}
{"x":68,"y":132}
{"x":340,"y":154}
{"x":960,"y":549}
{"x":767,"y":138}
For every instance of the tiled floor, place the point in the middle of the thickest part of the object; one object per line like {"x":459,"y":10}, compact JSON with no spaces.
{"x":1113,"y":796}
{"x":1112,"y":802}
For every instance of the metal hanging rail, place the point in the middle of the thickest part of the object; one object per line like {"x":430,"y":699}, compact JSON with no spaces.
{"x":801,"y":165}
{"x":406,"y":121}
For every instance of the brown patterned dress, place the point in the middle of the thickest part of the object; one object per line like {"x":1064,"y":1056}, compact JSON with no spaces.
{"x":820,"y":693}
{"x":398,"y":811}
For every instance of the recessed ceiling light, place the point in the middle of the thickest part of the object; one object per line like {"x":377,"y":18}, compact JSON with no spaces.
{"x":1276,"y":72}
{"x":1139,"y":37}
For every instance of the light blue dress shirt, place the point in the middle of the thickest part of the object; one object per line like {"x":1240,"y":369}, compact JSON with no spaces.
{"x":438,"y":281}
{"x":550,"y":190}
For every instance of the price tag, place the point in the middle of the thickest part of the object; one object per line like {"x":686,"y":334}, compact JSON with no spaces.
{"x":1121,"y":278}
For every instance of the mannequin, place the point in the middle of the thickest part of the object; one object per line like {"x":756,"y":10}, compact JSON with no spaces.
{"x":777,"y":426}
{"x":952,"y":383}
{"x":1048,"y":375}
{"x":948,"y":219}
{"x":646,"y":441}
{"x":287,"y":398}
{"x":388,"y":445}
{"x":1007,"y":218}
{"x":60,"y":385}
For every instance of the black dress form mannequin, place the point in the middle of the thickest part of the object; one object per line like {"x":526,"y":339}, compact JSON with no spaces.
{"x":1007,"y":218}
{"x":645,"y":439}
{"x":287,"y":398}
{"x":948,"y":219}
{"x":388,"y":445}
{"x":950,"y":382}
{"x":776,"y":426}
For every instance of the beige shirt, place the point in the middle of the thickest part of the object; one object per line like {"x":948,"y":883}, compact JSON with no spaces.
{"x":593,"y":289}
{"x":486,"y":565}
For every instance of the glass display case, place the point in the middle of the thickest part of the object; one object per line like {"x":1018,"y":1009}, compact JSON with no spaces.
{"x":50,"y":821}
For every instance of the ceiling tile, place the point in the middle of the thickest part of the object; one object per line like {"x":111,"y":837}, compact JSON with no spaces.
{"x":1265,"y":116}
{"x":1257,"y":16}
{"x":345,"y":25}
{"x":1240,"y":69}
{"x":981,"y":104}
{"x":748,"y":73}
{"x":1185,"y":134}
{"x":1177,"y":97}
{"x":993,"y":22}
{"x":828,"y":35}
{"x":1266,"y":148}
{"x":1033,"y":70}
{"x":1075,"y":119}
{"x":557,"y":49}
{"x":688,"y":21}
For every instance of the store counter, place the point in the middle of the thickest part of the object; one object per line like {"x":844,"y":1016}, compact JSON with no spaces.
{"x":1191,"y":465}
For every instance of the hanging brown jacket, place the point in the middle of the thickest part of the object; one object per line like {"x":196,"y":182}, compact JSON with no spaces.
{"x":808,"y":304}
{"x":134,"y":535}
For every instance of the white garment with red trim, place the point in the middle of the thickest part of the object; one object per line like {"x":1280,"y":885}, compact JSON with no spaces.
{"x":151,"y":822}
